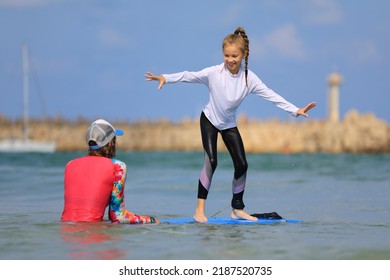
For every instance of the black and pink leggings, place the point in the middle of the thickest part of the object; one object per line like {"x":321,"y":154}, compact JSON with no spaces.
{"x":235,"y":146}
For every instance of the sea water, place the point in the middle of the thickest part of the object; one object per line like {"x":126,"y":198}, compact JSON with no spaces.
{"x":342,"y":199}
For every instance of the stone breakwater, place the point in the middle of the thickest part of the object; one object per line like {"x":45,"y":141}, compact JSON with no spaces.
{"x":356,"y":133}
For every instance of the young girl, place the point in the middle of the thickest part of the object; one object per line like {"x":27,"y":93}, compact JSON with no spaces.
{"x":97,"y":180}
{"x":228,"y":84}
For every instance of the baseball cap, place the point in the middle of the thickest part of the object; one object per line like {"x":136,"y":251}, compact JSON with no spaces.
{"x":102,"y":132}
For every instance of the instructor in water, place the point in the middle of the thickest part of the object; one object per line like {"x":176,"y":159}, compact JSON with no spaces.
{"x":228,"y":84}
{"x":97,"y":180}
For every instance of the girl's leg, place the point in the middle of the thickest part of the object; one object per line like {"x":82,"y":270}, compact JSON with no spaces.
{"x":235,"y":146}
{"x":209,"y":139}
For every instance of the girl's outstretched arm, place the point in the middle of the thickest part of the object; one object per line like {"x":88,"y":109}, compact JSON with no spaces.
{"x":160,"y":78}
{"x":302,"y":111}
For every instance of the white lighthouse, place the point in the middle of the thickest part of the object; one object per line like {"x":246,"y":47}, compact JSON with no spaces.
{"x":334,"y":81}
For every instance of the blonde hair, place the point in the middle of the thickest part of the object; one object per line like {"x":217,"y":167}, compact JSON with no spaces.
{"x":239,"y":36}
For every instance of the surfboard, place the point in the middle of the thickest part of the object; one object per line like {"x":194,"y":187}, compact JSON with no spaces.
{"x":227,"y":220}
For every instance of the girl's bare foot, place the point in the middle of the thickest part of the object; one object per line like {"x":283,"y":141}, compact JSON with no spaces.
{"x":241,"y":214}
{"x":199,"y":216}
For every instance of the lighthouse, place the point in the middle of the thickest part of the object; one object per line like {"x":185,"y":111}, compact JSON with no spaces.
{"x":334,"y":81}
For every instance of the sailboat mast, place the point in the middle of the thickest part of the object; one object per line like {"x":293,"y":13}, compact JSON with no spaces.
{"x":25,"y":69}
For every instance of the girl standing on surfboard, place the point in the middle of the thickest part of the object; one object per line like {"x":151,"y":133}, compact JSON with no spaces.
{"x":228,"y":84}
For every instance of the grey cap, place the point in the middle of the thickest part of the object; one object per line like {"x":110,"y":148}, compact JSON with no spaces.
{"x":102,"y":132}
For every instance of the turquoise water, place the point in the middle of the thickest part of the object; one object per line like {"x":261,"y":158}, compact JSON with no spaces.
{"x":344,"y":201}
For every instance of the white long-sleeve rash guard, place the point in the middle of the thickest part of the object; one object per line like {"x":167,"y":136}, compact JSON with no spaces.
{"x":227,"y":91}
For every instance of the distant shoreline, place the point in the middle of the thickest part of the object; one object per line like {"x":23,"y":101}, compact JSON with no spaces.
{"x":356,"y":133}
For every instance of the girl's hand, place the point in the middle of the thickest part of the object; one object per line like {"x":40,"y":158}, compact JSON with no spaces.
{"x":150,"y":77}
{"x":302,"y":111}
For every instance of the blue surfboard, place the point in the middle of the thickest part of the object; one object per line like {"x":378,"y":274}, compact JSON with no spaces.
{"x":222,"y":221}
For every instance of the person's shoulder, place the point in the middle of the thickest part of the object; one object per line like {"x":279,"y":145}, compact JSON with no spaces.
{"x":216,"y":70}
{"x":74,"y":160}
{"x":251,"y":73}
{"x":253,"y":76}
{"x":217,"y":67}
{"x":117,"y":161}
{"x":89,"y":159}
{"x":220,"y":66}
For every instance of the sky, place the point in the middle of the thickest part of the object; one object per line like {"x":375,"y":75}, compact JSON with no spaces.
{"x":88,"y":58}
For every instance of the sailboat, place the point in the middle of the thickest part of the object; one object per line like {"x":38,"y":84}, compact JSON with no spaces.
{"x":25,"y":144}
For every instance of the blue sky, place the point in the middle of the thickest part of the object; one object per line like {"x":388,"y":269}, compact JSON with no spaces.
{"x":88,"y":58}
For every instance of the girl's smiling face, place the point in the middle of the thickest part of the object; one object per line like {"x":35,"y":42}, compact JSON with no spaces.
{"x":232,"y":56}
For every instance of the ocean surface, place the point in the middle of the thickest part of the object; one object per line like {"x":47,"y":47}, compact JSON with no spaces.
{"x":343,"y":201}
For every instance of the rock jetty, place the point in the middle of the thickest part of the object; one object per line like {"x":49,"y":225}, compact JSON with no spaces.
{"x":356,"y":133}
